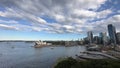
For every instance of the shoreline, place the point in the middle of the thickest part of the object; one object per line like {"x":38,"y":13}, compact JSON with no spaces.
{"x":55,"y":46}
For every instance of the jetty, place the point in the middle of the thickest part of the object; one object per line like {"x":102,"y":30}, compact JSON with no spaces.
{"x":95,"y":55}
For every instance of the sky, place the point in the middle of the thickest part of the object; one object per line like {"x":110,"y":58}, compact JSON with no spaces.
{"x":56,"y":19}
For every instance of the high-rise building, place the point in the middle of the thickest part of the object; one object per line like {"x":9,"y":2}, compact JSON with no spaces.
{"x":103,"y":39}
{"x":90,"y":37}
{"x":112,"y":33}
{"x":96,"y":39}
{"x":118,"y":37}
{"x":86,"y":41}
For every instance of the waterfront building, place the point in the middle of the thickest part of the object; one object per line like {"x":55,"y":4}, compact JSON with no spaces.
{"x":118,"y":37}
{"x":112,"y":34}
{"x":90,"y":37}
{"x":101,"y":38}
{"x":86,"y":41}
{"x":105,"y":39}
{"x":96,"y":39}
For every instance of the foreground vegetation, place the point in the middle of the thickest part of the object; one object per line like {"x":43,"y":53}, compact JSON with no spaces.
{"x":72,"y":63}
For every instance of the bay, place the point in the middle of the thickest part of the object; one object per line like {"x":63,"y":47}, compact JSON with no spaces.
{"x":23,"y":55}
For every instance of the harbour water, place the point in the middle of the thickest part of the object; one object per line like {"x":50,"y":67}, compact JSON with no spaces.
{"x":23,"y":55}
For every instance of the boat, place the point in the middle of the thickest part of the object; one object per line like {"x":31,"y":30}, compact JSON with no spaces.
{"x":13,"y":47}
{"x":52,"y":47}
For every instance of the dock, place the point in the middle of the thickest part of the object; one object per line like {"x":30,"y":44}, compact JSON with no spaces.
{"x":114,"y":53}
{"x":95,"y":55}
{"x":103,"y":54}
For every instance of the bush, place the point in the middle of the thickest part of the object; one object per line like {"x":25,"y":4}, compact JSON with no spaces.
{"x":72,"y":63}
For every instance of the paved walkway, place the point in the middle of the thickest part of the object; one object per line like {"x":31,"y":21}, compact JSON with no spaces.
{"x":102,"y":54}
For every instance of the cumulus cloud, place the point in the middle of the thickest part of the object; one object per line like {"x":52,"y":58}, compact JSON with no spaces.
{"x":104,"y":13}
{"x":8,"y":22}
{"x":69,"y":16}
{"x":7,"y":27}
{"x":101,"y":26}
{"x":83,"y":14}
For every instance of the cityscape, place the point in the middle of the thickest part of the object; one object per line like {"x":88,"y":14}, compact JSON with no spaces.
{"x":59,"y":34}
{"x":113,"y":38}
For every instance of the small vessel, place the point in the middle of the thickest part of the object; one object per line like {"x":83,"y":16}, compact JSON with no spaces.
{"x":12,"y":47}
{"x":52,"y":47}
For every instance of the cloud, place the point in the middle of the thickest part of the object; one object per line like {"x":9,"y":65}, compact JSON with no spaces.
{"x":15,"y":25}
{"x":70,"y":16}
{"x":115,"y":20}
{"x":83,"y":14}
{"x":104,"y":13}
{"x":8,"y":22}
{"x":7,"y":27}
{"x":11,"y":13}
{"x":101,"y":26}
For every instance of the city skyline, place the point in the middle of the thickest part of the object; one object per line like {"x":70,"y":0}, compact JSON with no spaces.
{"x":113,"y":37}
{"x":56,"y":19}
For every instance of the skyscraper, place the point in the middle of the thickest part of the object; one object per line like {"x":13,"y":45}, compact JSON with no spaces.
{"x":96,"y":39}
{"x":103,"y":39}
{"x":90,"y":37}
{"x":118,"y":37}
{"x":112,"y":33}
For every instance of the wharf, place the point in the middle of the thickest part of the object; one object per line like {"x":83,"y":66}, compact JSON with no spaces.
{"x":114,"y":53}
{"x":95,"y":55}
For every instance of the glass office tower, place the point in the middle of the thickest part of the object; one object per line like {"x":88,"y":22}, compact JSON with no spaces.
{"x":90,"y":37}
{"x":112,"y":34}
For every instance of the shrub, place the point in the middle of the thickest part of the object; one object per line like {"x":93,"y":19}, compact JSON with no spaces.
{"x":72,"y":63}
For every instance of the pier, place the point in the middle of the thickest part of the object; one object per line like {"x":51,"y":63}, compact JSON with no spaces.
{"x":95,"y":55}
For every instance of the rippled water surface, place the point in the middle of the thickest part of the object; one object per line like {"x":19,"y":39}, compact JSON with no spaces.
{"x":23,"y":55}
